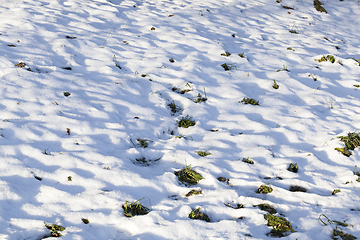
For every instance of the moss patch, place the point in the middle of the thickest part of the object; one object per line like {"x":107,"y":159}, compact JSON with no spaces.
{"x":280,"y":225}
{"x":186,"y":122}
{"x":265,"y":189}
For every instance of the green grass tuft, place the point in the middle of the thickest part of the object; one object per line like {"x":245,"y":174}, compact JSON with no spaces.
{"x":132,"y":209}
{"x":280,"y":225}
{"x":250,"y":101}
{"x":248,"y":160}
{"x":265,"y":189}
{"x":196,"y":214}
{"x":266,"y":207}
{"x":203,"y":153}
{"x":188,"y":175}
{"x":186,"y":122}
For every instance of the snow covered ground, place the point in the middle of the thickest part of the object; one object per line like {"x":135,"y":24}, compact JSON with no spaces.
{"x":64,"y":159}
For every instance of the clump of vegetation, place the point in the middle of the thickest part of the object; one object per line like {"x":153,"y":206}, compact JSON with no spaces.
{"x":20,"y":65}
{"x":280,"y":225}
{"x":171,"y":60}
{"x":226,"y":54}
{"x":66,"y":94}
{"x":265,"y":189}
{"x":352,"y":140}
{"x":283,"y":69}
{"x":335,"y":191}
{"x":193,"y":192}
{"x":145,"y":162}
{"x":55,"y":230}
{"x":294,"y":29}
{"x":326,"y":58}
{"x":188,"y":175}
{"x":340,"y":233}
{"x":196,"y":214}
{"x":85,"y":220}
{"x":186,"y":122}
{"x":47,"y":152}
{"x":200,"y":98}
{"x":181,"y":91}
{"x":228,"y":66}
{"x":250,"y":101}
{"x":224,"y":179}
{"x":69,"y":178}
{"x":248,"y":160}
{"x":297,"y":189}
{"x":203,"y":153}
{"x":266,"y":207}
{"x":290,"y":48}
{"x":117,"y":64}
{"x":143,"y":142}
{"x":293,"y":168}
{"x":174,"y":108}
{"x":132,"y":209}
{"x":318,"y":6}
{"x":275,"y":85}
{"x":242,"y":55}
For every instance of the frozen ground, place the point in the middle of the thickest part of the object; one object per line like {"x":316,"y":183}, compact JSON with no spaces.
{"x":113,"y":57}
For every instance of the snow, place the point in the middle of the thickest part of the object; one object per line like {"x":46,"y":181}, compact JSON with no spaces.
{"x":120,"y":82}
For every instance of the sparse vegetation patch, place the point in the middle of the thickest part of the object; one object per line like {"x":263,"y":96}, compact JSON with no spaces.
{"x":188,"y":175}
{"x":132,"y":209}
{"x":352,"y":140}
{"x":280,"y":225}
{"x":250,"y":101}
{"x":267,"y":207}
{"x":186,"y":122}
{"x":196,"y":214}
{"x":265,"y":189}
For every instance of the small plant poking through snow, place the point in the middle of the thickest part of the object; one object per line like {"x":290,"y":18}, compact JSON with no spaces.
{"x":226,"y":54}
{"x":203,"y":153}
{"x":293,"y":168}
{"x":318,"y":6}
{"x":143,"y":142}
{"x":117,"y":64}
{"x":326,"y":58}
{"x":340,"y":233}
{"x":280,"y":225}
{"x":250,"y":101}
{"x":283,"y":69}
{"x":132,"y":209}
{"x":297,"y":189}
{"x":248,"y":160}
{"x":196,"y":214}
{"x":228,"y":66}
{"x":174,"y":108}
{"x":335,"y":191}
{"x":265,"y":189}
{"x":193,"y":192}
{"x":188,"y":175}
{"x":55,"y":230}
{"x":47,"y":152}
{"x":266,"y":207}
{"x":186,"y":122}
{"x":352,"y":140}
{"x":275,"y":85}
{"x":85,"y":220}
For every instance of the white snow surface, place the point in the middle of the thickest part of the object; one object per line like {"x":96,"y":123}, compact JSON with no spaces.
{"x":113,"y":57}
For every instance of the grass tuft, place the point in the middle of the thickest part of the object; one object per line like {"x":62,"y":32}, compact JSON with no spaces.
{"x":188,"y":175}
{"x":248,"y":160}
{"x":297,"y":189}
{"x":196,"y":214}
{"x":266,"y":207}
{"x":228,"y":66}
{"x":193,"y":192}
{"x":186,"y":122}
{"x":293,"y":168}
{"x":340,"y":233}
{"x":203,"y":153}
{"x":265,"y":189}
{"x":280,"y":225}
{"x":55,"y":230}
{"x":132,"y":209}
{"x":352,"y":140}
{"x":250,"y":101}
{"x":318,"y":6}
{"x":174,"y":108}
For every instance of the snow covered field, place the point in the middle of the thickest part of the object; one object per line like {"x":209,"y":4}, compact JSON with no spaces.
{"x":93,"y":93}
